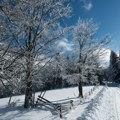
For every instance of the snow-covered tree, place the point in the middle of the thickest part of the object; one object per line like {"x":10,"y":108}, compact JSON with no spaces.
{"x":86,"y":48}
{"x":11,"y":75}
{"x":31,"y":28}
{"x":53,"y":73}
{"x":114,"y":67}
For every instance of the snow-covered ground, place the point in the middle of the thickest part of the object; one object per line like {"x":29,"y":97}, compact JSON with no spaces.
{"x":102,"y":104}
{"x":105,"y":106}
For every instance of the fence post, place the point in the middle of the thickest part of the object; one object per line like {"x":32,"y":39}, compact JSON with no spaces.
{"x":93,"y":89}
{"x":60,"y":111}
{"x":89,"y":93}
{"x":33,"y":99}
{"x":85,"y":96}
{"x":71,"y":104}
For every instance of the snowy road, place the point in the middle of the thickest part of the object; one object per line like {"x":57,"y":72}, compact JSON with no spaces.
{"x":116,"y":97}
{"x":104,"y":106}
{"x":110,"y":105}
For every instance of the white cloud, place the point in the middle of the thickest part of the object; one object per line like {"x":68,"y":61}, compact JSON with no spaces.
{"x":65,"y":45}
{"x":88,"y":6}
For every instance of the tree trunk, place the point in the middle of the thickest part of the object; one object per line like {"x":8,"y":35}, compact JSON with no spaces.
{"x":28,"y":95}
{"x":29,"y":64}
{"x":80,"y":89}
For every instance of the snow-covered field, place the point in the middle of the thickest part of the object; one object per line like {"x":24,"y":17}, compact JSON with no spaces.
{"x":102,"y":104}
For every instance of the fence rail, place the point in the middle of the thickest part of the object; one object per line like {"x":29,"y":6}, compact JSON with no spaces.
{"x":65,"y":107}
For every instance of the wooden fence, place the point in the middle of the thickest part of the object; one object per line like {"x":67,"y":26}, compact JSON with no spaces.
{"x":65,"y":107}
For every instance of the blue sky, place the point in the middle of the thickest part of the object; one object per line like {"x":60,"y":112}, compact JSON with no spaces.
{"x":105,"y":12}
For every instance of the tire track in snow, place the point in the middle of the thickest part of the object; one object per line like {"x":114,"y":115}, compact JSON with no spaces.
{"x":114,"y":111}
{"x":116,"y":94}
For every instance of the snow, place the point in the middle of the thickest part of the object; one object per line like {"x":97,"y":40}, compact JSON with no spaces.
{"x":18,"y":113}
{"x":102,"y":104}
{"x":106,"y":105}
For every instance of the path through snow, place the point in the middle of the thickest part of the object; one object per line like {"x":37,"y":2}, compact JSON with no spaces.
{"x":104,"y":106}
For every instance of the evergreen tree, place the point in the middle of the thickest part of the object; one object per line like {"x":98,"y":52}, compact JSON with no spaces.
{"x":113,"y":67}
